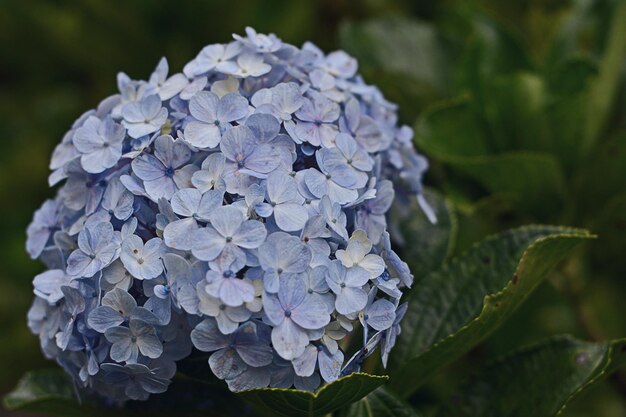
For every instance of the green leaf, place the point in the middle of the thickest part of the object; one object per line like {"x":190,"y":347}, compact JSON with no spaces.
{"x":451,"y":128}
{"x":426,"y":245}
{"x":456,"y":307}
{"x":453,"y":134}
{"x":489,"y":49}
{"x":566,"y":109}
{"x":515,"y":110}
{"x":49,"y":392}
{"x":380,"y":403}
{"x":337,"y":394}
{"x":533,"y":181}
{"x":605,"y":87}
{"x":572,"y":76}
{"x":536,"y":381}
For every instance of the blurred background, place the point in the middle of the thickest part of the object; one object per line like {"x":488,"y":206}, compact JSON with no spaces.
{"x":520,"y":106}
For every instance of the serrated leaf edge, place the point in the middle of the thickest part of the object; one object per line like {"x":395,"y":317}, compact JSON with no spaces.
{"x":317,"y":393}
{"x":568,"y":232}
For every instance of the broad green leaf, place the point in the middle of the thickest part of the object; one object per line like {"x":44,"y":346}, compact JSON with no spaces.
{"x":50,"y":392}
{"x":456,"y":307}
{"x":531,"y":112}
{"x":426,"y":245}
{"x":515,"y":111}
{"x":337,"y":394}
{"x":451,"y":128}
{"x":380,"y":403}
{"x":536,"y":381}
{"x":453,"y":134}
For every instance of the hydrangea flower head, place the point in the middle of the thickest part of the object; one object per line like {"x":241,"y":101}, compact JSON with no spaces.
{"x":239,"y":208}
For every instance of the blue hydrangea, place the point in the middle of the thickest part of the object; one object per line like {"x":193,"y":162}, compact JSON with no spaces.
{"x":238,"y":207}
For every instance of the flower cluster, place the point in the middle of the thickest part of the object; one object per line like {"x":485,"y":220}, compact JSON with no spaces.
{"x":238,"y":208}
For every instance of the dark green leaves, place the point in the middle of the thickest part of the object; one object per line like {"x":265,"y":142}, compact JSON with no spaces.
{"x":457,"y":306}
{"x":380,"y":403}
{"x":50,"y":392}
{"x":536,"y":381}
{"x":291,"y":402}
{"x":455,"y":134}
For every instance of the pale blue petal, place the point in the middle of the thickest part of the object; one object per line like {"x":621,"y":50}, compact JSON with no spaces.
{"x":290,"y":217}
{"x":179,"y":234}
{"x":202,"y":135}
{"x":119,"y":300}
{"x":251,"y":378}
{"x":232,"y":107}
{"x":381,"y":314}
{"x":186,"y":202}
{"x":103,"y":318}
{"x":207,"y":243}
{"x":289,"y":340}
{"x":265,"y":127}
{"x":330,"y":365}
{"x":211,"y":200}
{"x":226,"y":363}
{"x":250,"y":235}
{"x":312,"y":313}
{"x":226,"y":220}
{"x":161,"y":308}
{"x":351,"y":300}
{"x":292,"y":292}
{"x":256,"y":355}
{"x":304,"y":365}
{"x":271,"y":281}
{"x":273,"y":308}
{"x":150,"y":346}
{"x":203,"y":106}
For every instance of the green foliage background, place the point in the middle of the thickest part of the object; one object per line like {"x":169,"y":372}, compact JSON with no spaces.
{"x":520,"y":105}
